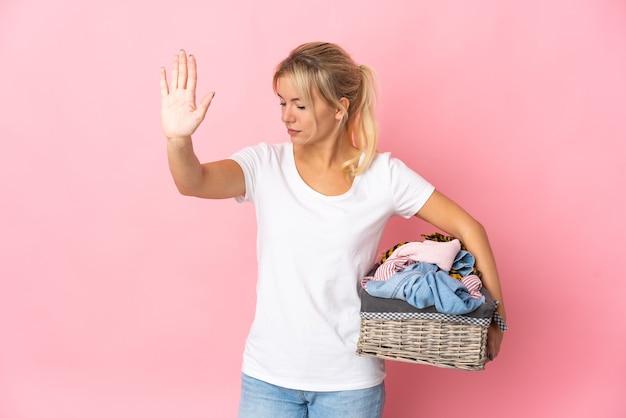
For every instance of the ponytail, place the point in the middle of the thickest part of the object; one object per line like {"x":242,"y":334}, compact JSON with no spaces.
{"x":362,"y":128}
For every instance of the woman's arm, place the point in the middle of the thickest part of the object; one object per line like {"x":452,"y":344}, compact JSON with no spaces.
{"x":180,"y":117}
{"x":446,"y":215}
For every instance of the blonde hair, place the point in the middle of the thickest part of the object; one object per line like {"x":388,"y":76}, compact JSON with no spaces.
{"x":333,"y":73}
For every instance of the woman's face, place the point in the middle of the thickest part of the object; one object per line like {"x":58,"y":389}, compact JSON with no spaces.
{"x":301,"y":120}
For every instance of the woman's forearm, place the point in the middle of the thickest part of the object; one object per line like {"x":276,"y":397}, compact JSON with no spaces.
{"x":476,"y":241}
{"x":184,"y":165}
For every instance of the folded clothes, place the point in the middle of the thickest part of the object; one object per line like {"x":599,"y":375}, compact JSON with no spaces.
{"x":443,"y":254}
{"x":390,"y":267}
{"x":464,"y":259}
{"x":423,"y":285}
{"x":463,"y":263}
{"x":387,"y":253}
{"x":473,"y":285}
{"x":375,"y":305}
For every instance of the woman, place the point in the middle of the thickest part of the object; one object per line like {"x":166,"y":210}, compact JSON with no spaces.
{"x":322,"y":201}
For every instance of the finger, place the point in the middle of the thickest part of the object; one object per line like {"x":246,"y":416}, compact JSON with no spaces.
{"x":496,"y":348}
{"x":192,"y":78}
{"x":164,"y":87}
{"x":490,"y":344}
{"x":182,"y":69}
{"x":491,"y":351}
{"x":175,"y":73}
{"x":493,"y":343}
{"x":204,"y":104}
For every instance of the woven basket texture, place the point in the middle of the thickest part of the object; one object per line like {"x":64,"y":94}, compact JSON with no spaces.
{"x":425,"y":341}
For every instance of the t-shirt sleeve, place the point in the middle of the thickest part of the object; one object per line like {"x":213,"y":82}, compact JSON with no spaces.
{"x":410,"y":190}
{"x":250,"y":160}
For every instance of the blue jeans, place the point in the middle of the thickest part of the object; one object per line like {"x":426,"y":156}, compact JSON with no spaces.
{"x":263,"y":400}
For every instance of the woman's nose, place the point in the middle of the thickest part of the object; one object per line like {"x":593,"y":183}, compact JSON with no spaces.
{"x":287,"y":115}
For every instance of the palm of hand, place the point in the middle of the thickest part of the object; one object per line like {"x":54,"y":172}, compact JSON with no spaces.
{"x":180,"y":117}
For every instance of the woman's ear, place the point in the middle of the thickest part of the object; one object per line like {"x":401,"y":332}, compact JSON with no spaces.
{"x":340,"y":113}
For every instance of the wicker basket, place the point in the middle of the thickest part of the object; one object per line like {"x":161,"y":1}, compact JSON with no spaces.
{"x":394,"y":330}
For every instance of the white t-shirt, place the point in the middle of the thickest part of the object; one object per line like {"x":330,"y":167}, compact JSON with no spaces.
{"x":312,"y":251}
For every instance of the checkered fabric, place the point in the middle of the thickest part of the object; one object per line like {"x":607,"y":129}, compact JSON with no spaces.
{"x":399,"y":316}
{"x":498,"y":319}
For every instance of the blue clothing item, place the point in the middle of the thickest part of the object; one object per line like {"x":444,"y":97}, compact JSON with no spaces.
{"x":463,"y":263}
{"x":260,"y":399}
{"x":423,"y":285}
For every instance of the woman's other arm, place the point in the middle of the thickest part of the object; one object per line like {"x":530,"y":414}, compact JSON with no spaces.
{"x":449,"y":217}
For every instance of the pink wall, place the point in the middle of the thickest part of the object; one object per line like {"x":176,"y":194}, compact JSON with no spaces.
{"x":116,"y":293}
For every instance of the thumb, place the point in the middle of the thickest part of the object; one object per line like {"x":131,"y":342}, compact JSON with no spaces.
{"x":204,"y":104}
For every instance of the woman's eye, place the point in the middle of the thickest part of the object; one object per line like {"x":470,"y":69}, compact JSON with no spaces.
{"x":301,"y":107}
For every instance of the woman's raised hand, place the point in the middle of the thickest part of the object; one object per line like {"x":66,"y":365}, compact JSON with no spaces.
{"x":180,"y":116}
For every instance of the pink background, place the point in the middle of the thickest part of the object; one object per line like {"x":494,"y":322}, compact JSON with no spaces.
{"x":121,"y":298}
